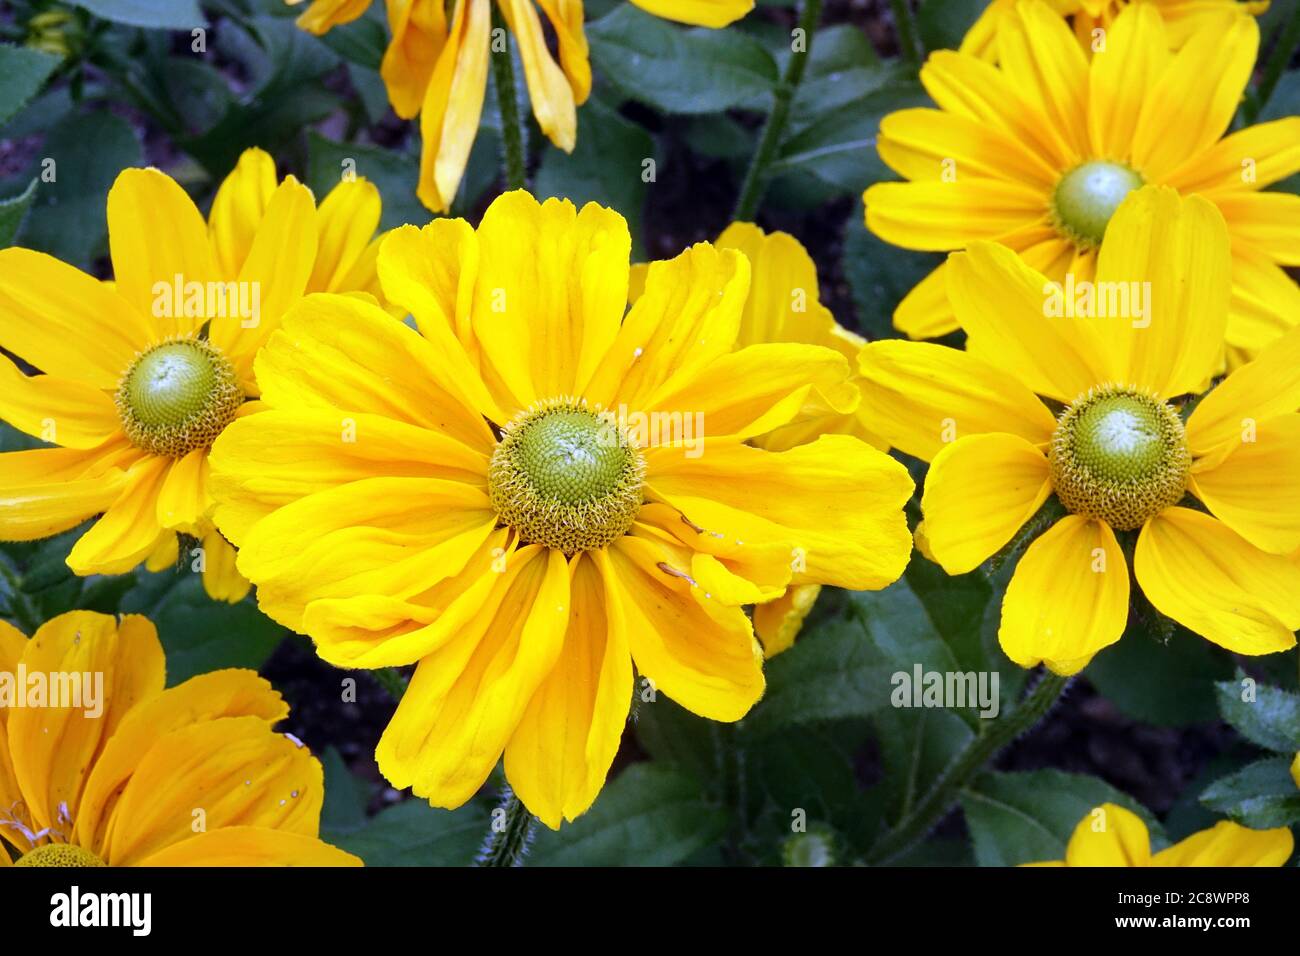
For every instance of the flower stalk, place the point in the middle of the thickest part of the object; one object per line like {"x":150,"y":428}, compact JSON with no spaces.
{"x":512,"y":136}
{"x":508,"y":842}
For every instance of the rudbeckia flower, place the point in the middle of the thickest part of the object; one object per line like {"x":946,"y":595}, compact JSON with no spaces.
{"x":439,"y":72}
{"x":1038,"y":153}
{"x":1111,"y":835}
{"x":533,"y":493}
{"x":1094,"y":411}
{"x":784,"y":305}
{"x":141,"y":776}
{"x":1183,"y":18}
{"x":140,"y":375}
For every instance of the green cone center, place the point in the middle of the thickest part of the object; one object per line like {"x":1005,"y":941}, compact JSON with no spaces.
{"x":1088,"y":195}
{"x":1120,"y":455}
{"x":178,"y":396}
{"x":566,"y":477}
{"x":59,"y":854}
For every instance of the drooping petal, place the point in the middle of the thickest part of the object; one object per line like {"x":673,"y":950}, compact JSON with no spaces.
{"x":979,"y":491}
{"x":548,"y":86}
{"x":1195,"y":569}
{"x":419,"y":30}
{"x":1068,"y":597}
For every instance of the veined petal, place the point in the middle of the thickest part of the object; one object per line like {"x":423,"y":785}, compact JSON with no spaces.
{"x":777,"y":623}
{"x":560,"y":753}
{"x":924,"y":144}
{"x":419,"y":29}
{"x":939,"y":216}
{"x":345,"y":222}
{"x":238,"y":209}
{"x":1068,"y":597}
{"x":183,"y":499}
{"x":701,"y":654}
{"x":1265,"y":303}
{"x":1252,"y":158}
{"x":431,"y":272}
{"x":468,"y":697}
{"x":1253,"y":489}
{"x":1268,"y":221}
{"x":250,"y":846}
{"x":979,"y":492}
{"x":922,"y":396}
{"x":129,"y":529}
{"x":1195,"y":569}
{"x":548,"y":86}
{"x":566,"y":20}
{"x":836,"y":504}
{"x":47,"y":490}
{"x":59,"y":410}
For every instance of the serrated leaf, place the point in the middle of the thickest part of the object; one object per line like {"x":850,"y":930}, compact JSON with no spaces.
{"x":153,"y":14}
{"x":647,"y":816}
{"x":22,"y":73}
{"x":1260,"y":795}
{"x":679,"y":71}
{"x":1029,"y":817}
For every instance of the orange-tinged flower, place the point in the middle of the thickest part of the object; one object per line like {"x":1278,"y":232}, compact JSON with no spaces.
{"x":141,"y":776}
{"x":141,"y":374}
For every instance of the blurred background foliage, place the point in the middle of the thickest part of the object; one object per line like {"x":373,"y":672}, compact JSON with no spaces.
{"x":824,"y":765}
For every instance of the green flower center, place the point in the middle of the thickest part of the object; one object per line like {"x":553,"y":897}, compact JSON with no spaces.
{"x":1087,"y":196}
{"x":1119,"y":455}
{"x":566,"y":477}
{"x":177,"y":397}
{"x":59,"y":854}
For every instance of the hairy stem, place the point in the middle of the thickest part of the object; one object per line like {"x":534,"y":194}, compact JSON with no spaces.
{"x":512,"y":136}
{"x":511,"y":834}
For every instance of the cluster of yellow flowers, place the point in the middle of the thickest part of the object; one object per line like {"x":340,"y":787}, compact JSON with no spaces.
{"x":508,"y":492}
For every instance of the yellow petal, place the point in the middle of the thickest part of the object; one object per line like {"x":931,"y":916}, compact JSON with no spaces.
{"x":939,"y":216}
{"x":66,"y":323}
{"x":322,"y":15}
{"x":250,"y":846}
{"x":61,"y":411}
{"x":48,"y":490}
{"x":835,"y":504}
{"x":688,"y":316}
{"x":701,"y":13}
{"x":927,"y":144}
{"x":419,"y":29}
{"x":560,"y":753}
{"x":1119,"y":78}
{"x":221,"y":578}
{"x":979,"y":492}
{"x":1229,"y":844}
{"x":1047,"y":67}
{"x":1252,"y":489}
{"x":129,"y":530}
{"x":468,"y":697}
{"x":925,"y":312}
{"x":1253,"y":158}
{"x":1068,"y":597}
{"x":183,"y":500}
{"x":1265,"y":303}
{"x":239,"y":207}
{"x":922,"y":396}
{"x":155,"y":234}
{"x":431,"y":273}
{"x":345,"y":223}
{"x":548,"y":87}
{"x":1267,"y":221}
{"x":701,"y":654}
{"x":777,"y":623}
{"x":1109,"y":835}
{"x":1191,"y":104}
{"x":1177,"y":252}
{"x":566,"y":20}
{"x":1195,"y":569}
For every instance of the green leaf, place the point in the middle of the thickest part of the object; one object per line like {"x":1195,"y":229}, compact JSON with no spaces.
{"x":154,"y":14}
{"x":1029,"y":817}
{"x":880,"y":275}
{"x":943,"y":23}
{"x":1169,"y":685}
{"x":22,"y":73}
{"x":607,"y":166}
{"x":1261,"y":795}
{"x":675,"y":737}
{"x":394,"y":174}
{"x":915,"y":747}
{"x":198,"y":633}
{"x":413,"y":833}
{"x":647,"y":816}
{"x":679,"y":71}
{"x":362,"y":41}
{"x":1271,"y":720}
{"x":344,"y":809}
{"x":844,"y":68}
{"x":67,"y":218}
{"x":12,"y":213}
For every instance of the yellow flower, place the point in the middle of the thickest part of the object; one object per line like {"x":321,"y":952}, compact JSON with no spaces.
{"x":532,"y":492}
{"x":126,"y":772}
{"x":439,"y":72}
{"x":140,"y":375}
{"x":1295,"y":770}
{"x":1037,"y":154}
{"x":1113,"y":836}
{"x":784,"y":305}
{"x":1119,"y":457}
{"x":1183,"y":18}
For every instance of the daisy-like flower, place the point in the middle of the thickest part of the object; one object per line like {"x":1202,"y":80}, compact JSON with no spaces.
{"x":1038,"y":153}
{"x":533,"y":493}
{"x":1108,"y":438}
{"x":140,"y":375}
{"x":1111,"y":835}
{"x":1183,"y":18}
{"x":125,"y":773}
{"x":439,"y":71}
{"x":784,"y":305}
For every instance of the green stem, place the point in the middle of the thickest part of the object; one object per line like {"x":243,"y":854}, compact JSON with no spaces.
{"x":508,"y":842}
{"x":907,"y":45}
{"x":512,"y":137}
{"x":943,"y":793}
{"x":1277,"y":62}
{"x":751,"y":190}
{"x":391,"y":680}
